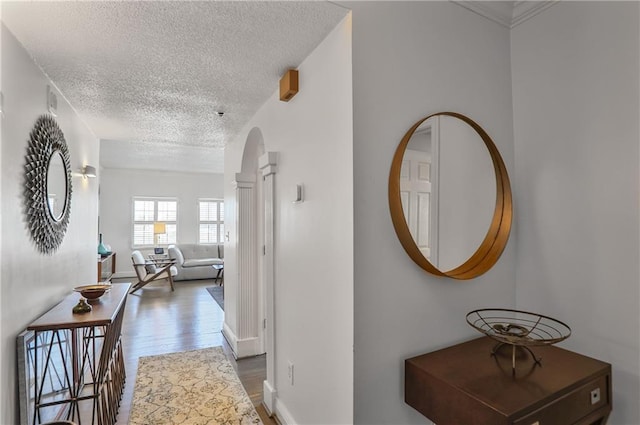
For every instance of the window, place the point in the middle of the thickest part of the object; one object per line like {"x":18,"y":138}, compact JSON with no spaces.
{"x":210,"y":221}
{"x":146,"y":212}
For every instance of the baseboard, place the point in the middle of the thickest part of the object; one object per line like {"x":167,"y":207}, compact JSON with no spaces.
{"x":247,"y":347}
{"x":230,"y":336}
{"x":268,"y":397}
{"x":283,"y":413}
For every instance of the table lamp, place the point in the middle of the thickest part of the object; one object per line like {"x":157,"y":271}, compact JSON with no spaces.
{"x":159,"y":228}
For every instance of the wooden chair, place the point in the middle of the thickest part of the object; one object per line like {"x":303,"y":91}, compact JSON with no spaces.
{"x":148,"y":271}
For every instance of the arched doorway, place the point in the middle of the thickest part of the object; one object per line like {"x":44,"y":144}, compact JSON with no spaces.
{"x":255,"y":257}
{"x":248,"y":339}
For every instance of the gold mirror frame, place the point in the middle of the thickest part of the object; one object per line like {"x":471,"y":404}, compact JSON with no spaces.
{"x":496,"y":238}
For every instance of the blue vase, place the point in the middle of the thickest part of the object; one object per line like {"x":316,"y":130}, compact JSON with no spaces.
{"x":102,"y":250}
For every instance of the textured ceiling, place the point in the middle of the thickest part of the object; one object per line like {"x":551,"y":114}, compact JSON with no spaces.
{"x":148,"y":76}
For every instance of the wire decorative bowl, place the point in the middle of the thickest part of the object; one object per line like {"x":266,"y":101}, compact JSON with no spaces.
{"x":518,"y":329}
{"x":515,"y":327}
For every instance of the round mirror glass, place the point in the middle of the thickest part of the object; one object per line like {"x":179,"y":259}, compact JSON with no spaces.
{"x":447,"y":189}
{"x":56,"y":186}
{"x":450,"y":197}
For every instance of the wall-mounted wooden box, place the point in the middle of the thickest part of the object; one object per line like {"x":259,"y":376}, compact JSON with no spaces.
{"x":289,"y":85}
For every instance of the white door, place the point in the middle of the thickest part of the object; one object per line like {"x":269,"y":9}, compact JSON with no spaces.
{"x":415,"y":193}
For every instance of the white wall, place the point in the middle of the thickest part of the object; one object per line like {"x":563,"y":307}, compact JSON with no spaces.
{"x":2,"y":356}
{"x":576,"y":114}
{"x":313,"y":240}
{"x":412,"y":59}
{"x":32,"y":282}
{"x":118,"y":187}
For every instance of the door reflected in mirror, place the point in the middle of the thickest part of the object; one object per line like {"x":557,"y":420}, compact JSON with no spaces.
{"x":447,"y":189}
{"x":416,"y":190}
{"x":450,"y":197}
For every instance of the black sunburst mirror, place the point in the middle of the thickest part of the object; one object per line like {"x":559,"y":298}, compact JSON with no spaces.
{"x":47,"y":194}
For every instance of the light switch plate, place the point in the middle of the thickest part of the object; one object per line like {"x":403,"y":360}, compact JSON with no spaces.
{"x":298,"y":194}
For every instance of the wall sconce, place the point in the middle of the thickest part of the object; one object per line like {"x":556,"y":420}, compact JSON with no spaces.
{"x":89,"y":171}
{"x":85,"y":172}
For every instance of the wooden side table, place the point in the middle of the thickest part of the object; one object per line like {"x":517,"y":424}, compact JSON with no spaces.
{"x":219,"y":279}
{"x":465,"y":384}
{"x":106,"y":267}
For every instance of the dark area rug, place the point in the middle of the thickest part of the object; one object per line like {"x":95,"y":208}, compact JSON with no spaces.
{"x":217,"y":292}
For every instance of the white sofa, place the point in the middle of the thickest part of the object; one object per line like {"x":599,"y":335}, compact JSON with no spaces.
{"x":195,"y":261}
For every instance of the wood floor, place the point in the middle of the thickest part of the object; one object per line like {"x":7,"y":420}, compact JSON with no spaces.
{"x":158,"y":321}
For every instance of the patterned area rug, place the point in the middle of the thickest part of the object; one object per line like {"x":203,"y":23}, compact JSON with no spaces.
{"x":193,"y":387}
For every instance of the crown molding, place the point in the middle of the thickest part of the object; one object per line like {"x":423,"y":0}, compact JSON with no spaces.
{"x":492,"y":11}
{"x":506,"y":13}
{"x":524,"y":10}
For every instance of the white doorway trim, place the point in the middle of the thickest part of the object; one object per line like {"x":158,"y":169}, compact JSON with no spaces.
{"x":246,"y":295}
{"x":267,"y":165}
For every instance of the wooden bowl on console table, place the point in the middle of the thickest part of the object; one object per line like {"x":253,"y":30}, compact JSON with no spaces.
{"x":92,"y":292}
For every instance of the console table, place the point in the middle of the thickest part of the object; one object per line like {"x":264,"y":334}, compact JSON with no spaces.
{"x":465,"y":384}
{"x":74,"y":363}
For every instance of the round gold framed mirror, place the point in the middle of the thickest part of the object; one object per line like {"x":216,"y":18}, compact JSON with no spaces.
{"x":444,"y":176}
